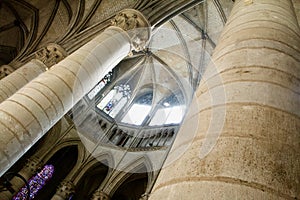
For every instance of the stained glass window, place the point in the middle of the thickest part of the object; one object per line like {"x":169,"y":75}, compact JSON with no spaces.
{"x":35,"y":183}
{"x":107,"y":79}
{"x":115,"y":100}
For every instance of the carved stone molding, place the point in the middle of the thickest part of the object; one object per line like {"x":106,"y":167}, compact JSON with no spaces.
{"x":51,"y":54}
{"x":5,"y":70}
{"x":100,"y":195}
{"x":136,"y":25}
{"x":65,"y":189}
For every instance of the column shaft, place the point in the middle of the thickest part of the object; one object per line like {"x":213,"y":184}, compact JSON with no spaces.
{"x":45,"y":58}
{"x":256,"y":155}
{"x":35,"y":108}
{"x":17,"y":79}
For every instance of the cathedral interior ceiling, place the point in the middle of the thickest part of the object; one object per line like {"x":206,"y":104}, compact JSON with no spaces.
{"x":72,"y":23}
{"x":28,"y":26}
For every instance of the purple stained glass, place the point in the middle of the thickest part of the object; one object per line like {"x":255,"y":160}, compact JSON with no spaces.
{"x":35,"y":183}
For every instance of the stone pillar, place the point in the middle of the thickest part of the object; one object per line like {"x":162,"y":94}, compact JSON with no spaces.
{"x":64,"y":191}
{"x":100,"y":195}
{"x":31,"y":167}
{"x":27,"y":115}
{"x":45,"y":58}
{"x":256,"y":153}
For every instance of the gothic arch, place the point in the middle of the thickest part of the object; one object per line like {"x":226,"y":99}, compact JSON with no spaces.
{"x":105,"y":159}
{"x":139,"y":166}
{"x":94,"y":174}
{"x":61,"y":145}
{"x":63,"y":161}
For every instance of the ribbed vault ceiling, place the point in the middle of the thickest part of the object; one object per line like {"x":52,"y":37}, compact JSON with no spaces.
{"x":27,"y":25}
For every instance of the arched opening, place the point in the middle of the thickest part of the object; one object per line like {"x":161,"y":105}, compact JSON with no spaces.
{"x":63,"y":162}
{"x":91,"y":180}
{"x":132,"y":188}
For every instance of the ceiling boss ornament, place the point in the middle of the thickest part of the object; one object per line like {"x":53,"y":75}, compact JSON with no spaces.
{"x":136,"y":25}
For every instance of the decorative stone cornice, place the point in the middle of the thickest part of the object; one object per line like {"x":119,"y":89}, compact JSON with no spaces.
{"x":65,"y":189}
{"x":136,"y":25}
{"x":100,"y":195}
{"x":51,"y":54}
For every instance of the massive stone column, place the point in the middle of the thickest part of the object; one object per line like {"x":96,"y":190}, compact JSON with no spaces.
{"x":28,"y":114}
{"x":45,"y":58}
{"x":256,"y":85}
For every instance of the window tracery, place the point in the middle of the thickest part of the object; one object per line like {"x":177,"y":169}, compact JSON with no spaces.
{"x":106,"y":79}
{"x":115,"y":100}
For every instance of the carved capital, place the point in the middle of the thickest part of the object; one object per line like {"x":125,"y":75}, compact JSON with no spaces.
{"x":32,"y":165}
{"x":136,"y":25}
{"x":65,"y":189}
{"x":5,"y":70}
{"x":100,"y":195}
{"x":51,"y":54}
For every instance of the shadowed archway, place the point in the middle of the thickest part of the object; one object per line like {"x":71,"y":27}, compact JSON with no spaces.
{"x":91,"y":180}
{"x":63,"y":161}
{"x":132,"y":188}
